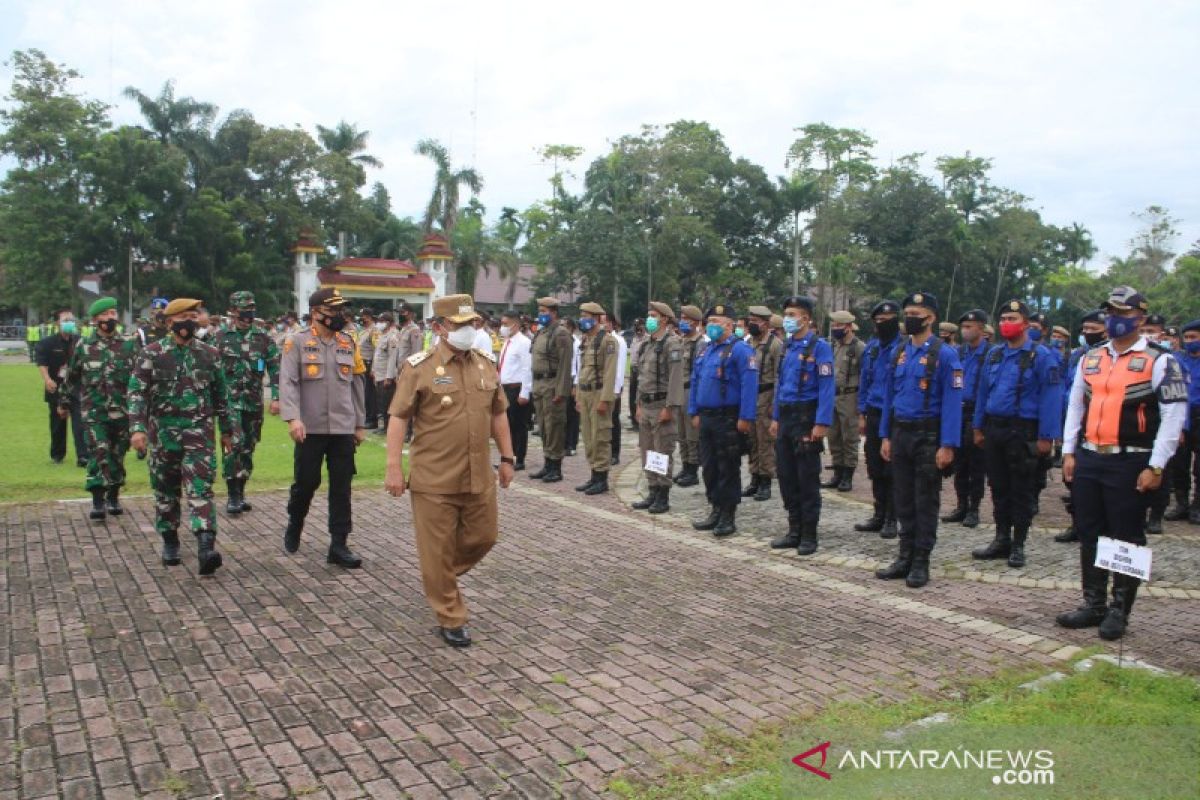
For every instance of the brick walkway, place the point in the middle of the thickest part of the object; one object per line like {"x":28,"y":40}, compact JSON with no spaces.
{"x":606,"y":640}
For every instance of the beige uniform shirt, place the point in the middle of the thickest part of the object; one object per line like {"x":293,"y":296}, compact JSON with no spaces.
{"x":691,"y":347}
{"x":320,"y":383}
{"x":551,"y":352}
{"x":449,"y":399}
{"x":768,"y":354}
{"x":660,"y":368}
{"x":412,"y":341}
{"x":847,"y":363}
{"x":385,"y":366}
{"x":598,"y":365}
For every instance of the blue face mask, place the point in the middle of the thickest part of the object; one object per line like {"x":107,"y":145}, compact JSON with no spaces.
{"x":1035,"y":334}
{"x":586,"y":324}
{"x":790,"y":325}
{"x":685,"y":327}
{"x":1121,"y":326}
{"x":1058,"y":344}
{"x":543,"y":319}
{"x":715,"y":332}
{"x":1193,"y":348}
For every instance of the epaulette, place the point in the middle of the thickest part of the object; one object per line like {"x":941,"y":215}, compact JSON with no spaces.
{"x":483,"y":353}
{"x":416,"y":358}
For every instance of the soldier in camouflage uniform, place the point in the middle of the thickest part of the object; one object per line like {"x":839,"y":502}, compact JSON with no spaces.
{"x":247,"y":353}
{"x":176,"y":389}
{"x":98,"y":373}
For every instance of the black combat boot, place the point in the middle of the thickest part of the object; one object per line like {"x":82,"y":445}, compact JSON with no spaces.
{"x":846,"y":484}
{"x":901,"y":566}
{"x":646,"y":502}
{"x":206,"y":552}
{"x":808,"y":541}
{"x":918,"y":574}
{"x":340,"y":554}
{"x":959,"y":513}
{"x":662,"y":502}
{"x":690,"y":476}
{"x":1095,"y":590}
{"x":727,"y":524}
{"x":764,"y":488}
{"x":1180,"y":510}
{"x":1124,"y":591}
{"x":233,"y":506}
{"x":1016,"y":556}
{"x":752,"y":488}
{"x":555,"y":474}
{"x":583,"y":487}
{"x":242,"y":495}
{"x":291,"y":537}
{"x":709,"y":522}
{"x":1069,"y":535}
{"x":971,"y":518}
{"x":170,"y":549}
{"x":790,"y":539}
{"x":1194,"y":514}
{"x":834,"y":479}
{"x":999,"y":547}
{"x":98,"y":511}
{"x":541,"y":473}
{"x":113,"y":501}
{"x":600,"y":486}
{"x":875,"y":523}
{"x":1154,"y":521}
{"x":890,"y":529}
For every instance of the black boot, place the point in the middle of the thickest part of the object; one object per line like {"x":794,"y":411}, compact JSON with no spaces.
{"x":959,"y":513}
{"x":242,"y":495}
{"x":1115,"y":621}
{"x":233,"y":506}
{"x":790,"y":539}
{"x":752,"y":488}
{"x":999,"y":547}
{"x":113,"y":501}
{"x":834,"y":479}
{"x":901,"y":566}
{"x":291,"y":537}
{"x":1069,"y":535}
{"x":890,"y":529}
{"x":170,"y":549}
{"x":918,"y":574}
{"x":1095,"y":590}
{"x":846,"y":484}
{"x":600,"y":486}
{"x":1179,"y":511}
{"x":808,"y":541}
{"x":649,"y":500}
{"x":541,"y":473}
{"x":583,"y":487}
{"x":98,"y":511}
{"x":971,"y":518}
{"x":1016,"y":556}
{"x":709,"y":522}
{"x":662,"y":502}
{"x":727,"y":524}
{"x":875,"y":523}
{"x":1194,"y":514}
{"x":1155,"y":521}
{"x":206,"y":552}
{"x":340,"y":554}
{"x":690,"y":475}
{"x":764,"y":488}
{"x":555,"y":474}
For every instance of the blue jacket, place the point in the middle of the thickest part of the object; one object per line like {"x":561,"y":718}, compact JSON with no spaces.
{"x":872,"y":377}
{"x":725,"y":375}
{"x":972,"y":363}
{"x":806,"y":374}
{"x":906,"y":397}
{"x":1041,"y":387}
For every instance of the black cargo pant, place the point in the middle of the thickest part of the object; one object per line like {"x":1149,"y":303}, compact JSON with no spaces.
{"x":798,"y":464}
{"x":336,"y":450}
{"x":1012,"y":464}
{"x":916,"y":480}
{"x":970,"y":464}
{"x":721,"y":448}
{"x":878,"y":470}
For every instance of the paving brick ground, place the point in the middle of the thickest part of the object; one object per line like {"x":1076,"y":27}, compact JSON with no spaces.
{"x":606,"y":640}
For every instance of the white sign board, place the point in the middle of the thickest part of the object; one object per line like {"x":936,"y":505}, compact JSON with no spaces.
{"x":1123,"y":557}
{"x":658,"y":463}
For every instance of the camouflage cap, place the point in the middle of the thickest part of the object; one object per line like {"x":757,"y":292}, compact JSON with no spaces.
{"x":242,"y":300}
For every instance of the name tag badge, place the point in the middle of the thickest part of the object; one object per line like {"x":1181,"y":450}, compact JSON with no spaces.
{"x":1137,"y":364}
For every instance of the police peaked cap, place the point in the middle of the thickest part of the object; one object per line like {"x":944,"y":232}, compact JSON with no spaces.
{"x":1097,"y":315}
{"x":921,"y":300}
{"x":1019,"y":306}
{"x":721,"y":310}
{"x":885,"y":307}
{"x":974,"y":315}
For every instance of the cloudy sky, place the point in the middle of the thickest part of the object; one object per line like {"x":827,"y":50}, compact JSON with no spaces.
{"x":1084,"y":106}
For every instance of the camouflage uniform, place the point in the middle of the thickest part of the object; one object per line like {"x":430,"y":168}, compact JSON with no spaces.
{"x":174,"y":393}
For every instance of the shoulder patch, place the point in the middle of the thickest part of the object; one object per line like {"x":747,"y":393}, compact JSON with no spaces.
{"x":825,"y":369}
{"x":416,"y":358}
{"x":957,"y":381}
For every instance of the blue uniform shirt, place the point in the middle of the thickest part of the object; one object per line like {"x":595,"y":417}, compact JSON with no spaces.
{"x":1191,"y":373}
{"x":872,"y":376}
{"x":805,"y":375}
{"x":1041,"y":388}
{"x":972,"y":364}
{"x":719,"y":382}
{"x":905,"y":396}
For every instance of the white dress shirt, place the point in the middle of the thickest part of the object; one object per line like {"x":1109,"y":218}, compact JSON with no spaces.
{"x":622,"y":358}
{"x":575,"y":358}
{"x":1172,"y":416}
{"x":516,"y":363}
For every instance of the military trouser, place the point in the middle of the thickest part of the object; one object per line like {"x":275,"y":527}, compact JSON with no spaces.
{"x":596,"y":430}
{"x":878,"y":470}
{"x":689,"y":437}
{"x":721,"y":448}
{"x":971,"y":466}
{"x":916,"y":481}
{"x":843,"y":435}
{"x":799,"y":464}
{"x":1012,"y":463}
{"x":238,"y":463}
{"x":762,"y":443}
{"x":182,"y":461}
{"x":552,"y":418}
{"x":657,"y":436}
{"x":108,"y":442}
{"x":454,"y":531}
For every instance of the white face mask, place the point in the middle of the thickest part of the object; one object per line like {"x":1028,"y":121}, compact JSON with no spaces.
{"x":201,"y":333}
{"x":461,"y":339}
{"x":505,"y":331}
{"x":380,"y":326}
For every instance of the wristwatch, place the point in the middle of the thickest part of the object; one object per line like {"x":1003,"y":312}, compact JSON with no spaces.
{"x":507,"y":460}
{"x":1155,"y":470}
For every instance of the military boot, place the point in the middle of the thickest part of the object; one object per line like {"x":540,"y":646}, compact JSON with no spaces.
{"x":690,"y":475}
{"x":98,"y":511}
{"x":890,"y":529}
{"x":1154,"y":521}
{"x":709,"y":522}
{"x":959,"y":513}
{"x":170,"y":549}
{"x":600,"y":486}
{"x":971,"y":518}
{"x":999,"y":547}
{"x":646,"y":502}
{"x":291,"y":536}
{"x":752,"y":488}
{"x":790,"y":539}
{"x":1016,"y":556}
{"x":541,"y":473}
{"x":1194,"y":514}
{"x":340,"y":554}
{"x":764,"y":488}
{"x":1095,"y":589}
{"x":808,"y":541}
{"x":901,"y":566}
{"x":113,"y":501}
{"x":846,"y":484}
{"x":834,"y":479}
{"x":1124,"y":591}
{"x":875,"y":523}
{"x":233,"y":506}
{"x":206,"y":552}
{"x":1069,"y":535}
{"x":662,"y":503}
{"x":1180,"y":510}
{"x":918,"y":574}
{"x":555,"y":474}
{"x":242,"y":495}
{"x":583,"y":487}
{"x":727,"y":524}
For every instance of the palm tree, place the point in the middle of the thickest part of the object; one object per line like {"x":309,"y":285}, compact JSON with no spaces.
{"x":798,"y":197}
{"x":509,"y":229}
{"x":443,"y":204}
{"x":172,"y":119}
{"x":347,"y":140}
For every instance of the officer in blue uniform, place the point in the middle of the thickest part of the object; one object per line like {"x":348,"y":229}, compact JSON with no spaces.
{"x":1092,"y":334}
{"x":1039,"y":333}
{"x":1018,"y":416}
{"x":921,"y":427}
{"x":1154,"y":329}
{"x":970,"y":466}
{"x":872,"y":384}
{"x":1187,"y":457}
{"x":802,"y":414}
{"x":722,"y":403}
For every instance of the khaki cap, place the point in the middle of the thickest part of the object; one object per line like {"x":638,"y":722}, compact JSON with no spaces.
{"x":456,"y":308}
{"x":1061,"y":331}
{"x":592,"y":308}
{"x":947,"y":327}
{"x":663,"y":309}
{"x":180,"y":305}
{"x":759,"y":311}
{"x":692,"y":312}
{"x":841,"y":317}
{"x":777,"y":322}
{"x":548,"y":302}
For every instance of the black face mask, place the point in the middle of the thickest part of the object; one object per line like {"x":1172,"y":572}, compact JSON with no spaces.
{"x":1094,"y":339}
{"x":185,"y":328}
{"x":107,"y":325}
{"x":334,"y":324}
{"x":246,"y":316}
{"x":887,"y":329}
{"x":914,"y":325}
{"x":754,"y":329}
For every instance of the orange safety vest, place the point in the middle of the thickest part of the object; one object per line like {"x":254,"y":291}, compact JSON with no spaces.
{"x":1120,"y":404}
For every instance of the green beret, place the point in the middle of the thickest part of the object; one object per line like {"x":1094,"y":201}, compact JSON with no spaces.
{"x":102,"y":305}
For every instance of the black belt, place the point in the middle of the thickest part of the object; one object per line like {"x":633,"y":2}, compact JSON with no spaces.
{"x":687,"y":384}
{"x":511,"y":385}
{"x":807,"y":406}
{"x":543,"y":375}
{"x":1029,"y":425}
{"x":847,"y":390}
{"x":765,"y":387}
{"x":923,"y":425}
{"x":588,"y":387}
{"x":652,"y":398}
{"x":723,"y":411}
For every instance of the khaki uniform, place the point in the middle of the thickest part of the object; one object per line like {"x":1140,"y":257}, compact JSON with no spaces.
{"x":660,"y":385}
{"x":449,"y":399}
{"x":597,"y":384}
{"x":843,"y":436}
{"x":762,"y":443}
{"x":551,"y":353}
{"x":689,"y":437}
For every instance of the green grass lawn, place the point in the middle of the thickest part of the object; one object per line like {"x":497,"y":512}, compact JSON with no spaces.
{"x":27,"y":474}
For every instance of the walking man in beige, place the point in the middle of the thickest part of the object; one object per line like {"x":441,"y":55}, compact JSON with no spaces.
{"x":843,"y":436}
{"x":552,"y":351}
{"x":660,"y":396}
{"x":767,"y":349}
{"x":595,"y":394}
{"x":453,"y":399}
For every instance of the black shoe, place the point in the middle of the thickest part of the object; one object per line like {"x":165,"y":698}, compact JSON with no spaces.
{"x":614,"y":461}
{"x":999,"y":547}
{"x":788,"y":540}
{"x":872,"y":525}
{"x":1085,"y":616}
{"x":847,"y":482}
{"x":98,"y":511}
{"x":600,"y":486}
{"x":1016,"y":558}
{"x":1112,"y":627}
{"x":764,"y":489}
{"x":726,"y":525}
{"x":752,"y":488}
{"x":555,"y":474}
{"x":900,"y":567}
{"x":957,"y":515}
{"x":918,"y":574}
{"x":456,"y":637}
{"x":688,"y":477}
{"x":113,"y":501}
{"x":1069,"y":535}
{"x":583,"y":487}
{"x":834,"y":479}
{"x":890,"y":530}
{"x":1177,"y":513}
{"x":233,"y":506}
{"x":662,"y":502}
{"x":170,"y":550}
{"x":808,"y":542}
{"x":1124,"y":592}
{"x":541,"y":473}
{"x":291,"y":537}
{"x":519,"y":466}
{"x":1154,"y":523}
{"x":971,"y":520}
{"x":1095,"y":591}
{"x":340,"y":554}
{"x":709,"y":522}
{"x":207,"y":556}
{"x":646,"y":502}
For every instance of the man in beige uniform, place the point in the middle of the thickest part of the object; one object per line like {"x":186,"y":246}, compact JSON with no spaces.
{"x":691,"y":341}
{"x":551,"y":351}
{"x":453,"y":398}
{"x":386,"y":366}
{"x":843,"y":436}
{"x":660,"y":396}
{"x":768,"y":349}
{"x":595,"y":394}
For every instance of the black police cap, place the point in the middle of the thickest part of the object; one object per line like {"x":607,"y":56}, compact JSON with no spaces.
{"x":1155,"y":319}
{"x":1194,"y":325}
{"x":885,"y":307}
{"x":798,"y":301}
{"x":921,"y":300}
{"x":974,"y":315}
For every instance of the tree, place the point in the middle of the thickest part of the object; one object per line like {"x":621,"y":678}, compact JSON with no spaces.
{"x":347,"y":140}
{"x":799,"y":196}
{"x":443,"y":204}
{"x":1151,"y":250}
